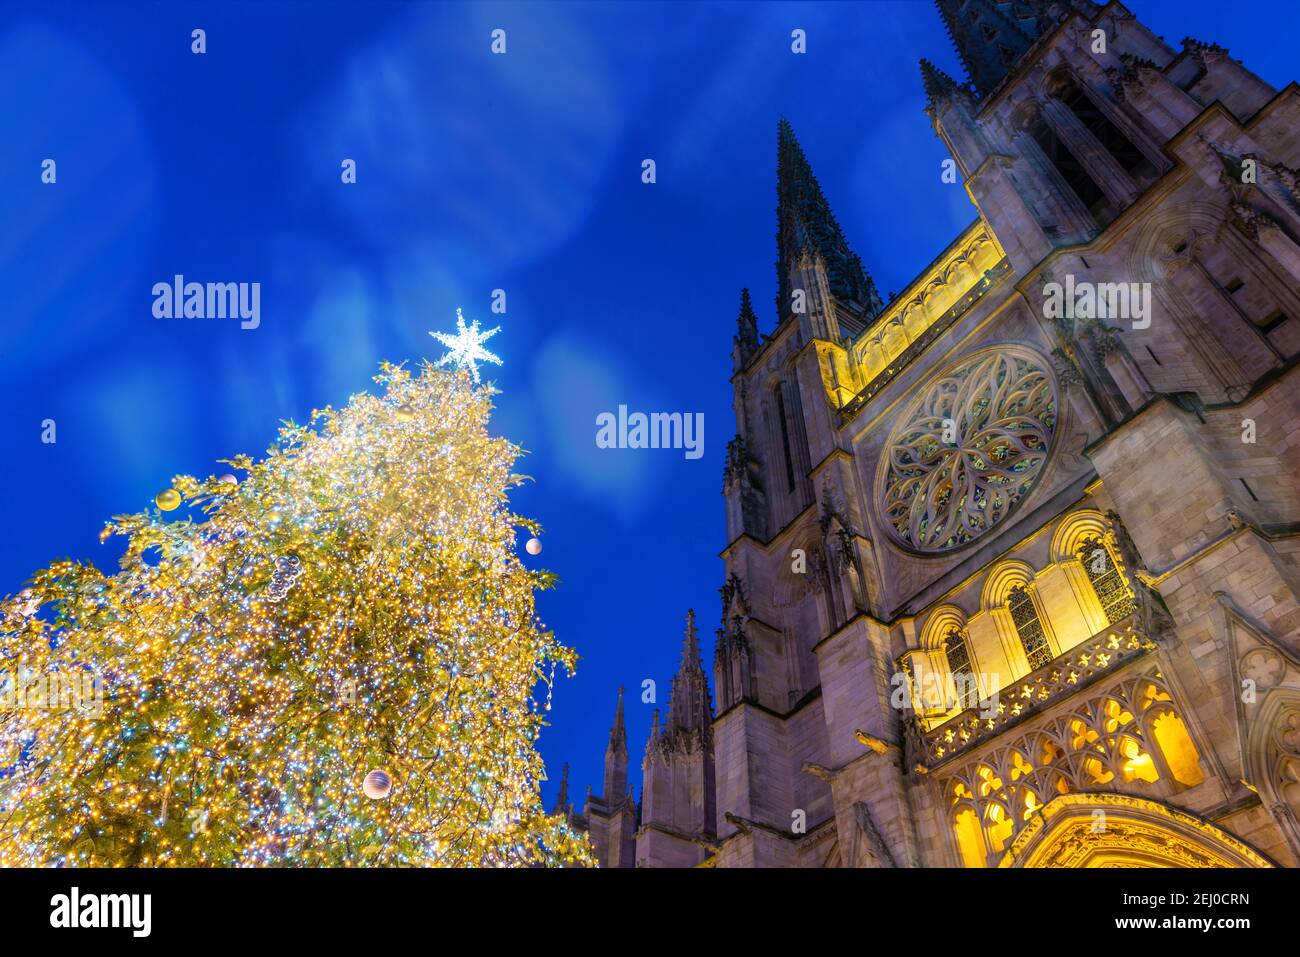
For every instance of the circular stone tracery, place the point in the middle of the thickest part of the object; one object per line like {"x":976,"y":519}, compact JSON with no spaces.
{"x":967,"y":451}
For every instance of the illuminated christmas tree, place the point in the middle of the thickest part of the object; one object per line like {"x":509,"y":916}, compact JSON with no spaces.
{"x":335,"y":660}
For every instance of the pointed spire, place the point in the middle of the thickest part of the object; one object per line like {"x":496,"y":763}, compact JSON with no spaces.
{"x":690,"y":645}
{"x":655,"y":731}
{"x":939,"y":86}
{"x":616,"y":757}
{"x":617,"y":733}
{"x":992,"y":35}
{"x":562,"y":798}
{"x":746,"y":339}
{"x":690,"y":706}
{"x":805,"y":224}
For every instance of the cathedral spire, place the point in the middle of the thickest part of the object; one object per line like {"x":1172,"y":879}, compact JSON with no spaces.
{"x":690,"y":706}
{"x":992,"y":35}
{"x":616,"y":757}
{"x":806,"y":225}
{"x":617,"y":732}
{"x":690,"y":645}
{"x":746,"y":339}
{"x":655,"y":732}
{"x":679,"y":798}
{"x":939,"y":86}
{"x":562,"y":797}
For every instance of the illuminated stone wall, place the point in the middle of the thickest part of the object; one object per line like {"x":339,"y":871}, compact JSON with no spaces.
{"x":1094,"y":542}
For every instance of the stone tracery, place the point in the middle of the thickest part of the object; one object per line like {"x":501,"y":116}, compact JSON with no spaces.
{"x":1128,"y":738}
{"x":968,"y":450}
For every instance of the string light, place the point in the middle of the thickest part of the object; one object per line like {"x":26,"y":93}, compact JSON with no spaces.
{"x":353,"y":602}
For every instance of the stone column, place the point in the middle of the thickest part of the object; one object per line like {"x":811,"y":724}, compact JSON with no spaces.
{"x":1165,"y":107}
{"x":1105,"y":170}
{"x":1065,"y":211}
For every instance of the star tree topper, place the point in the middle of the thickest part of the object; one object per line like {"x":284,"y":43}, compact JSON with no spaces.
{"x":467,"y":346}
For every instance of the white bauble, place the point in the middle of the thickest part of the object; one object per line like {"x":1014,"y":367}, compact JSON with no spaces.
{"x":377,"y":785}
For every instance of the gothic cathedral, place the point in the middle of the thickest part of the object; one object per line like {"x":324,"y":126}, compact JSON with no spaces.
{"x":1013,"y":564}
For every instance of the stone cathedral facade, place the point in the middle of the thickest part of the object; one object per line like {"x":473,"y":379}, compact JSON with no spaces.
{"x":1013,"y":563}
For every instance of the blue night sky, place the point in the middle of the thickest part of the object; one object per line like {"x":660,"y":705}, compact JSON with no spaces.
{"x":475,"y":172}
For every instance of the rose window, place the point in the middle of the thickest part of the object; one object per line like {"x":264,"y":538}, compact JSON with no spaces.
{"x":967,"y":451}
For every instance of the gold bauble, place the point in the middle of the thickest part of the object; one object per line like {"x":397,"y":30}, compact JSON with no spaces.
{"x":405,"y":413}
{"x":168,"y":499}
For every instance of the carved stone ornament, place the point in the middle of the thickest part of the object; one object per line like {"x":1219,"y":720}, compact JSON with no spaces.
{"x":967,"y":450}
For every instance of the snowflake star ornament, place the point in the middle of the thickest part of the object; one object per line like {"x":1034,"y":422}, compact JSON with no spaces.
{"x":467,"y":346}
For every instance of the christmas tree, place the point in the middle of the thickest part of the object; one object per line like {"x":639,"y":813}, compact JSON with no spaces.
{"x":333,"y":660}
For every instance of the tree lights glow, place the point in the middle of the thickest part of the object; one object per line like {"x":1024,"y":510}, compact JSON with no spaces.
{"x":352,"y":603}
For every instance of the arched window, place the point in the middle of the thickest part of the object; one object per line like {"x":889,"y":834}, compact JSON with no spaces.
{"x":1024,"y":614}
{"x":966,"y":691}
{"x":970,"y":838}
{"x":1175,"y":743}
{"x":1112,"y":591}
{"x":966,"y":826}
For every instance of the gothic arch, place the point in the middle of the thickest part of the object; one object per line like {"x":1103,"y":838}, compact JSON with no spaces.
{"x":958,"y":270}
{"x":1266,"y":684}
{"x":1083,"y":546}
{"x":1128,"y":738}
{"x":946,"y":640}
{"x":1162,"y":254}
{"x":937,"y":625}
{"x":1077,"y":528}
{"x":914,"y":319}
{"x":1273,"y":756}
{"x":1000,"y":581}
{"x":792,"y":589}
{"x":1166,"y":227}
{"x":1116,"y":830}
{"x":814,"y":591}
{"x":1026,"y":631}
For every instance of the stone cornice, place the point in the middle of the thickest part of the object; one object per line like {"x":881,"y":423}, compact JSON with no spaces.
{"x":808,"y":698}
